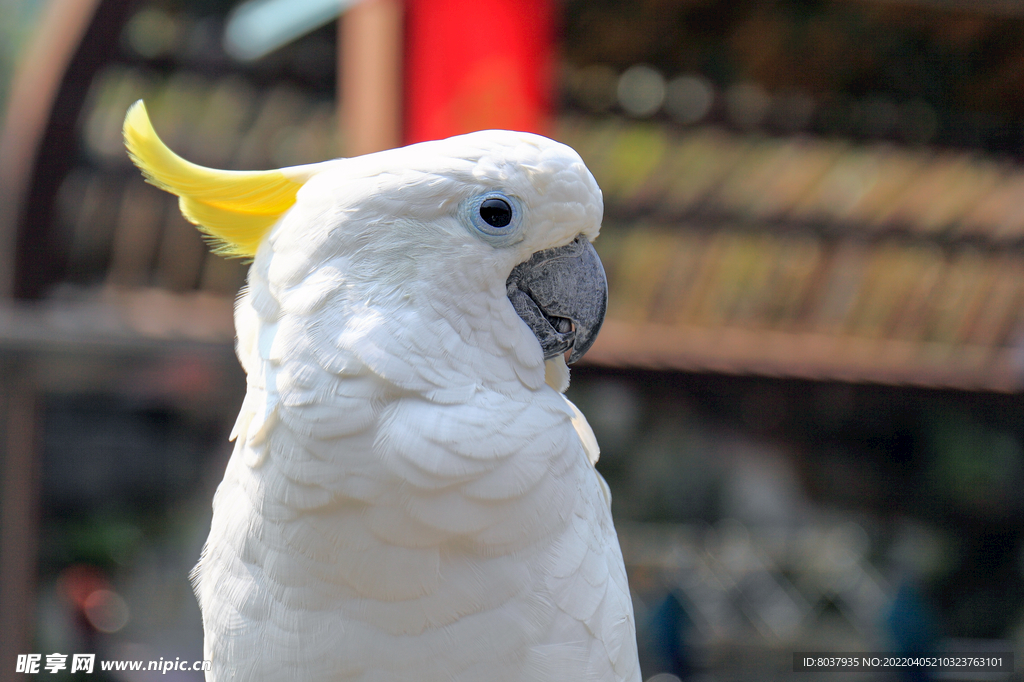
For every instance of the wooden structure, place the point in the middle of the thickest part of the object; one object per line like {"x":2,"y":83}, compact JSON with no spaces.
{"x":807,"y":257}
{"x":115,"y":341}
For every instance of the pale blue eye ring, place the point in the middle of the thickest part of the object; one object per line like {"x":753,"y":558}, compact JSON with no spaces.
{"x":496,"y":216}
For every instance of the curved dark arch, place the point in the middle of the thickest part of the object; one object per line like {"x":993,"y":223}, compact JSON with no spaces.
{"x":75,"y":39}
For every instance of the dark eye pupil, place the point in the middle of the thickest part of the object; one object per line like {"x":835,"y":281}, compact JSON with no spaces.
{"x":496,"y":212}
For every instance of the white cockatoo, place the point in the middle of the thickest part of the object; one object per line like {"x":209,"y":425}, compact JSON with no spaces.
{"x":410,"y":496}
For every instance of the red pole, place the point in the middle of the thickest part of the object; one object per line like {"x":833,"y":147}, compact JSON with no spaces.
{"x":477,"y":64}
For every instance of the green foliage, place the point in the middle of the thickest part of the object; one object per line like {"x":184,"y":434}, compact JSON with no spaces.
{"x":973,"y":465}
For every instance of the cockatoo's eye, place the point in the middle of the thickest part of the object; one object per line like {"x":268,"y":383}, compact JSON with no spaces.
{"x":496,"y":212}
{"x":497,"y":217}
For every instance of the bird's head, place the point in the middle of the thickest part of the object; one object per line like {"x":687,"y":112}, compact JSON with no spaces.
{"x":494,"y":211}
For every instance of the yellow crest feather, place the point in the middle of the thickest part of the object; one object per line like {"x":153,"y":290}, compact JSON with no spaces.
{"x":236,"y":208}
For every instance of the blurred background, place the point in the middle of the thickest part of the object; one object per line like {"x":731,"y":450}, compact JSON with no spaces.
{"x":807,"y":391}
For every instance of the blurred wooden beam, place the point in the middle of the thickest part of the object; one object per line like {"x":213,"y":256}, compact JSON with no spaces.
{"x":19,"y":518}
{"x":993,"y":7}
{"x":816,"y":356}
{"x":370,"y":76}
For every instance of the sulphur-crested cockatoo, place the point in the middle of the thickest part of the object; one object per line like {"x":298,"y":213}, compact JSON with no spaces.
{"x":410,"y":497}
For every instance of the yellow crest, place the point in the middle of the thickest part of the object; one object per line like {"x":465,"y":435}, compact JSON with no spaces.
{"x":236,"y":208}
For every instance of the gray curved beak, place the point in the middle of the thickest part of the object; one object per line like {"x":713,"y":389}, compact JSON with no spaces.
{"x":562,"y":295}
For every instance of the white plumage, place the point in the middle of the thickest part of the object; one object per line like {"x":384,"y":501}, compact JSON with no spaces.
{"x":408,"y":499}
